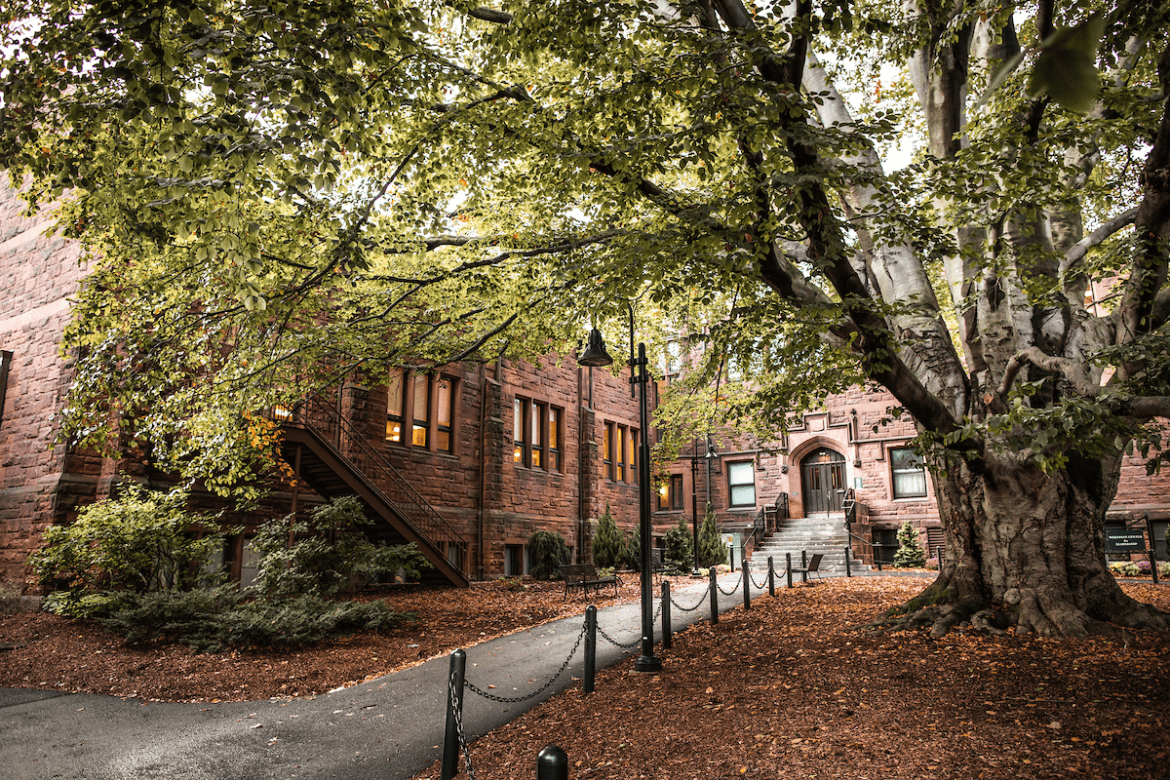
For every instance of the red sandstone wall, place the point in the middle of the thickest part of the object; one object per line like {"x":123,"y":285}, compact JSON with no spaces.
{"x":37,"y":273}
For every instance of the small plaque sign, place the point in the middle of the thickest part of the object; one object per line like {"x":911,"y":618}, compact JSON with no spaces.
{"x":1124,"y":540}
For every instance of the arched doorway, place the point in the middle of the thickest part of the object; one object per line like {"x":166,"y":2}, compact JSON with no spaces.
{"x":822,"y":481}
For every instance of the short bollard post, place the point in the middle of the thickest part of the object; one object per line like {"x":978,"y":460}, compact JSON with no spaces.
{"x":590,"y":647}
{"x":1152,"y":551}
{"x":714,"y":587}
{"x":747,"y":585}
{"x":731,"y":556}
{"x":455,"y":680}
{"x":848,"y":568}
{"x":771,"y":578}
{"x":789,"y":558}
{"x":552,"y":764}
{"x":666,"y":615}
{"x":804,"y":566}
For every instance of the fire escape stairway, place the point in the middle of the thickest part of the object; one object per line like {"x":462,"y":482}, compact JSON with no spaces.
{"x":332,"y":458}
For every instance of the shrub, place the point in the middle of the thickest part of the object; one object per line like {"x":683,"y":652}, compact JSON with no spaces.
{"x":216,"y":619}
{"x":142,"y":541}
{"x":607,"y":542}
{"x":546,"y":550}
{"x":679,"y":547}
{"x":711,"y":549}
{"x":330,"y":554}
{"x":910,"y":553}
{"x":632,"y":549}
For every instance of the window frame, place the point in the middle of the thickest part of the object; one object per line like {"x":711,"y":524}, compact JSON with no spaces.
{"x":555,"y":454}
{"x":607,"y":450}
{"x":421,"y":424}
{"x":446,"y":431}
{"x":400,"y":416}
{"x":893,"y":454}
{"x":748,"y":467}
{"x":670,"y":495}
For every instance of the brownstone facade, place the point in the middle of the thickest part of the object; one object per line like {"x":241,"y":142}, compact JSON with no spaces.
{"x":500,"y":451}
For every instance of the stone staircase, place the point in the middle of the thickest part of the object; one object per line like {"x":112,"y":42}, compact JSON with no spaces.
{"x":818,"y":533}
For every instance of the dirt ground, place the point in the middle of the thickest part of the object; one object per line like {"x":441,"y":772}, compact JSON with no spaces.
{"x":789,"y":689}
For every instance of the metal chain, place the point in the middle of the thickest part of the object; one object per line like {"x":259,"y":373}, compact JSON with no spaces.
{"x":542,"y":689}
{"x":616,"y":643}
{"x":702,"y":600}
{"x":760,"y":585}
{"x":729,"y":592}
{"x":459,"y":731}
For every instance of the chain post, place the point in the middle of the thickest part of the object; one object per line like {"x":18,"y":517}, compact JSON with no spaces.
{"x":1153,"y":551}
{"x":552,"y":763}
{"x":714,"y":597}
{"x":747,"y":584}
{"x":590,"y":647}
{"x":848,"y":568}
{"x":666,"y":635}
{"x":804,"y":565}
{"x":788,"y":557}
{"x":454,"y":705}
{"x":771,"y":578}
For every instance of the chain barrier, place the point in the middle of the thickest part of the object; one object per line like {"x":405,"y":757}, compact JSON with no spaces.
{"x":702,"y":601}
{"x":630,"y":645}
{"x":729,"y":592}
{"x":760,"y":585}
{"x":459,"y":730}
{"x":519,"y":699}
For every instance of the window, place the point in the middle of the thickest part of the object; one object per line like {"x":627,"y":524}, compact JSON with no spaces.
{"x":420,"y":433}
{"x":536,"y":434}
{"x":607,"y":451}
{"x":885,"y":544}
{"x":554,"y":439}
{"x":514,"y":560}
{"x":537,"y":418}
{"x":670,"y":367}
{"x":621,"y":453}
{"x":634,"y":455}
{"x":670,"y":495}
{"x":519,"y":443}
{"x":909,"y":473}
{"x":394,"y":398}
{"x":445,"y":389}
{"x":741,"y":484}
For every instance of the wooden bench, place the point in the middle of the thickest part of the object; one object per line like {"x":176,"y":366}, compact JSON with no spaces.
{"x":813,"y":567}
{"x":585,"y":576}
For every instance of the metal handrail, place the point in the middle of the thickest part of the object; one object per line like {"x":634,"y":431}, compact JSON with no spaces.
{"x":328,"y":423}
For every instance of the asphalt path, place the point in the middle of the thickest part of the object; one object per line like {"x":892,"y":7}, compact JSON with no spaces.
{"x":391,"y":727}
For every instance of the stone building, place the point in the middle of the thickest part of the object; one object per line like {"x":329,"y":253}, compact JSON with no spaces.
{"x":469,"y":461}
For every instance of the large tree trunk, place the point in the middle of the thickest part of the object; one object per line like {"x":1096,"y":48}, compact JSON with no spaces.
{"x":1027,"y":548}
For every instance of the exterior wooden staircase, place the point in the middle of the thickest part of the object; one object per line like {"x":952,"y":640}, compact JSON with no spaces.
{"x":330,"y":455}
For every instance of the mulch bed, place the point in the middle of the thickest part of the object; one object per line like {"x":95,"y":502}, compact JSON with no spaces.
{"x":787,"y":690}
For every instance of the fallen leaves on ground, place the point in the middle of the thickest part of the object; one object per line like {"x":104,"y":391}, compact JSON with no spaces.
{"x":787,"y":690}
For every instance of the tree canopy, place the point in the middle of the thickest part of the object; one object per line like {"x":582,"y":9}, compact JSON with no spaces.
{"x":290,"y":190}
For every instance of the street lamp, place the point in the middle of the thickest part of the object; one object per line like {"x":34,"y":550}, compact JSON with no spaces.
{"x":595,"y":355}
{"x":694,"y":458}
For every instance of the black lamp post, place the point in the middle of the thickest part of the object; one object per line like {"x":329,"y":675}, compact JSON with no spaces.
{"x":595,"y":355}
{"x":694,"y":458}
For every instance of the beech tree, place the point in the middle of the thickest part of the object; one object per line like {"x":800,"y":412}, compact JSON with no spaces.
{"x":277,"y":194}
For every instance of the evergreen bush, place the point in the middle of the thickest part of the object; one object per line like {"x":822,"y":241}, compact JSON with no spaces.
{"x":218,"y":619}
{"x":608,"y":542}
{"x":910,"y":552}
{"x":711,"y":549}
{"x":329,"y":555}
{"x":546,"y":551}
{"x":679,"y":547}
{"x":141,"y":541}
{"x":632,"y":549}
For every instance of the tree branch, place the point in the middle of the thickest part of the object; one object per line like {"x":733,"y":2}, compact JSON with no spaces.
{"x":1077,"y":251}
{"x":1072,"y":370}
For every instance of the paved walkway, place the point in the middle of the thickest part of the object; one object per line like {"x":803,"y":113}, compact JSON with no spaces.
{"x":391,"y":727}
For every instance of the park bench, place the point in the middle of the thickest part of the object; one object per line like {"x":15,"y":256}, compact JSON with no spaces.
{"x":813,"y":567}
{"x":585,"y":576}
